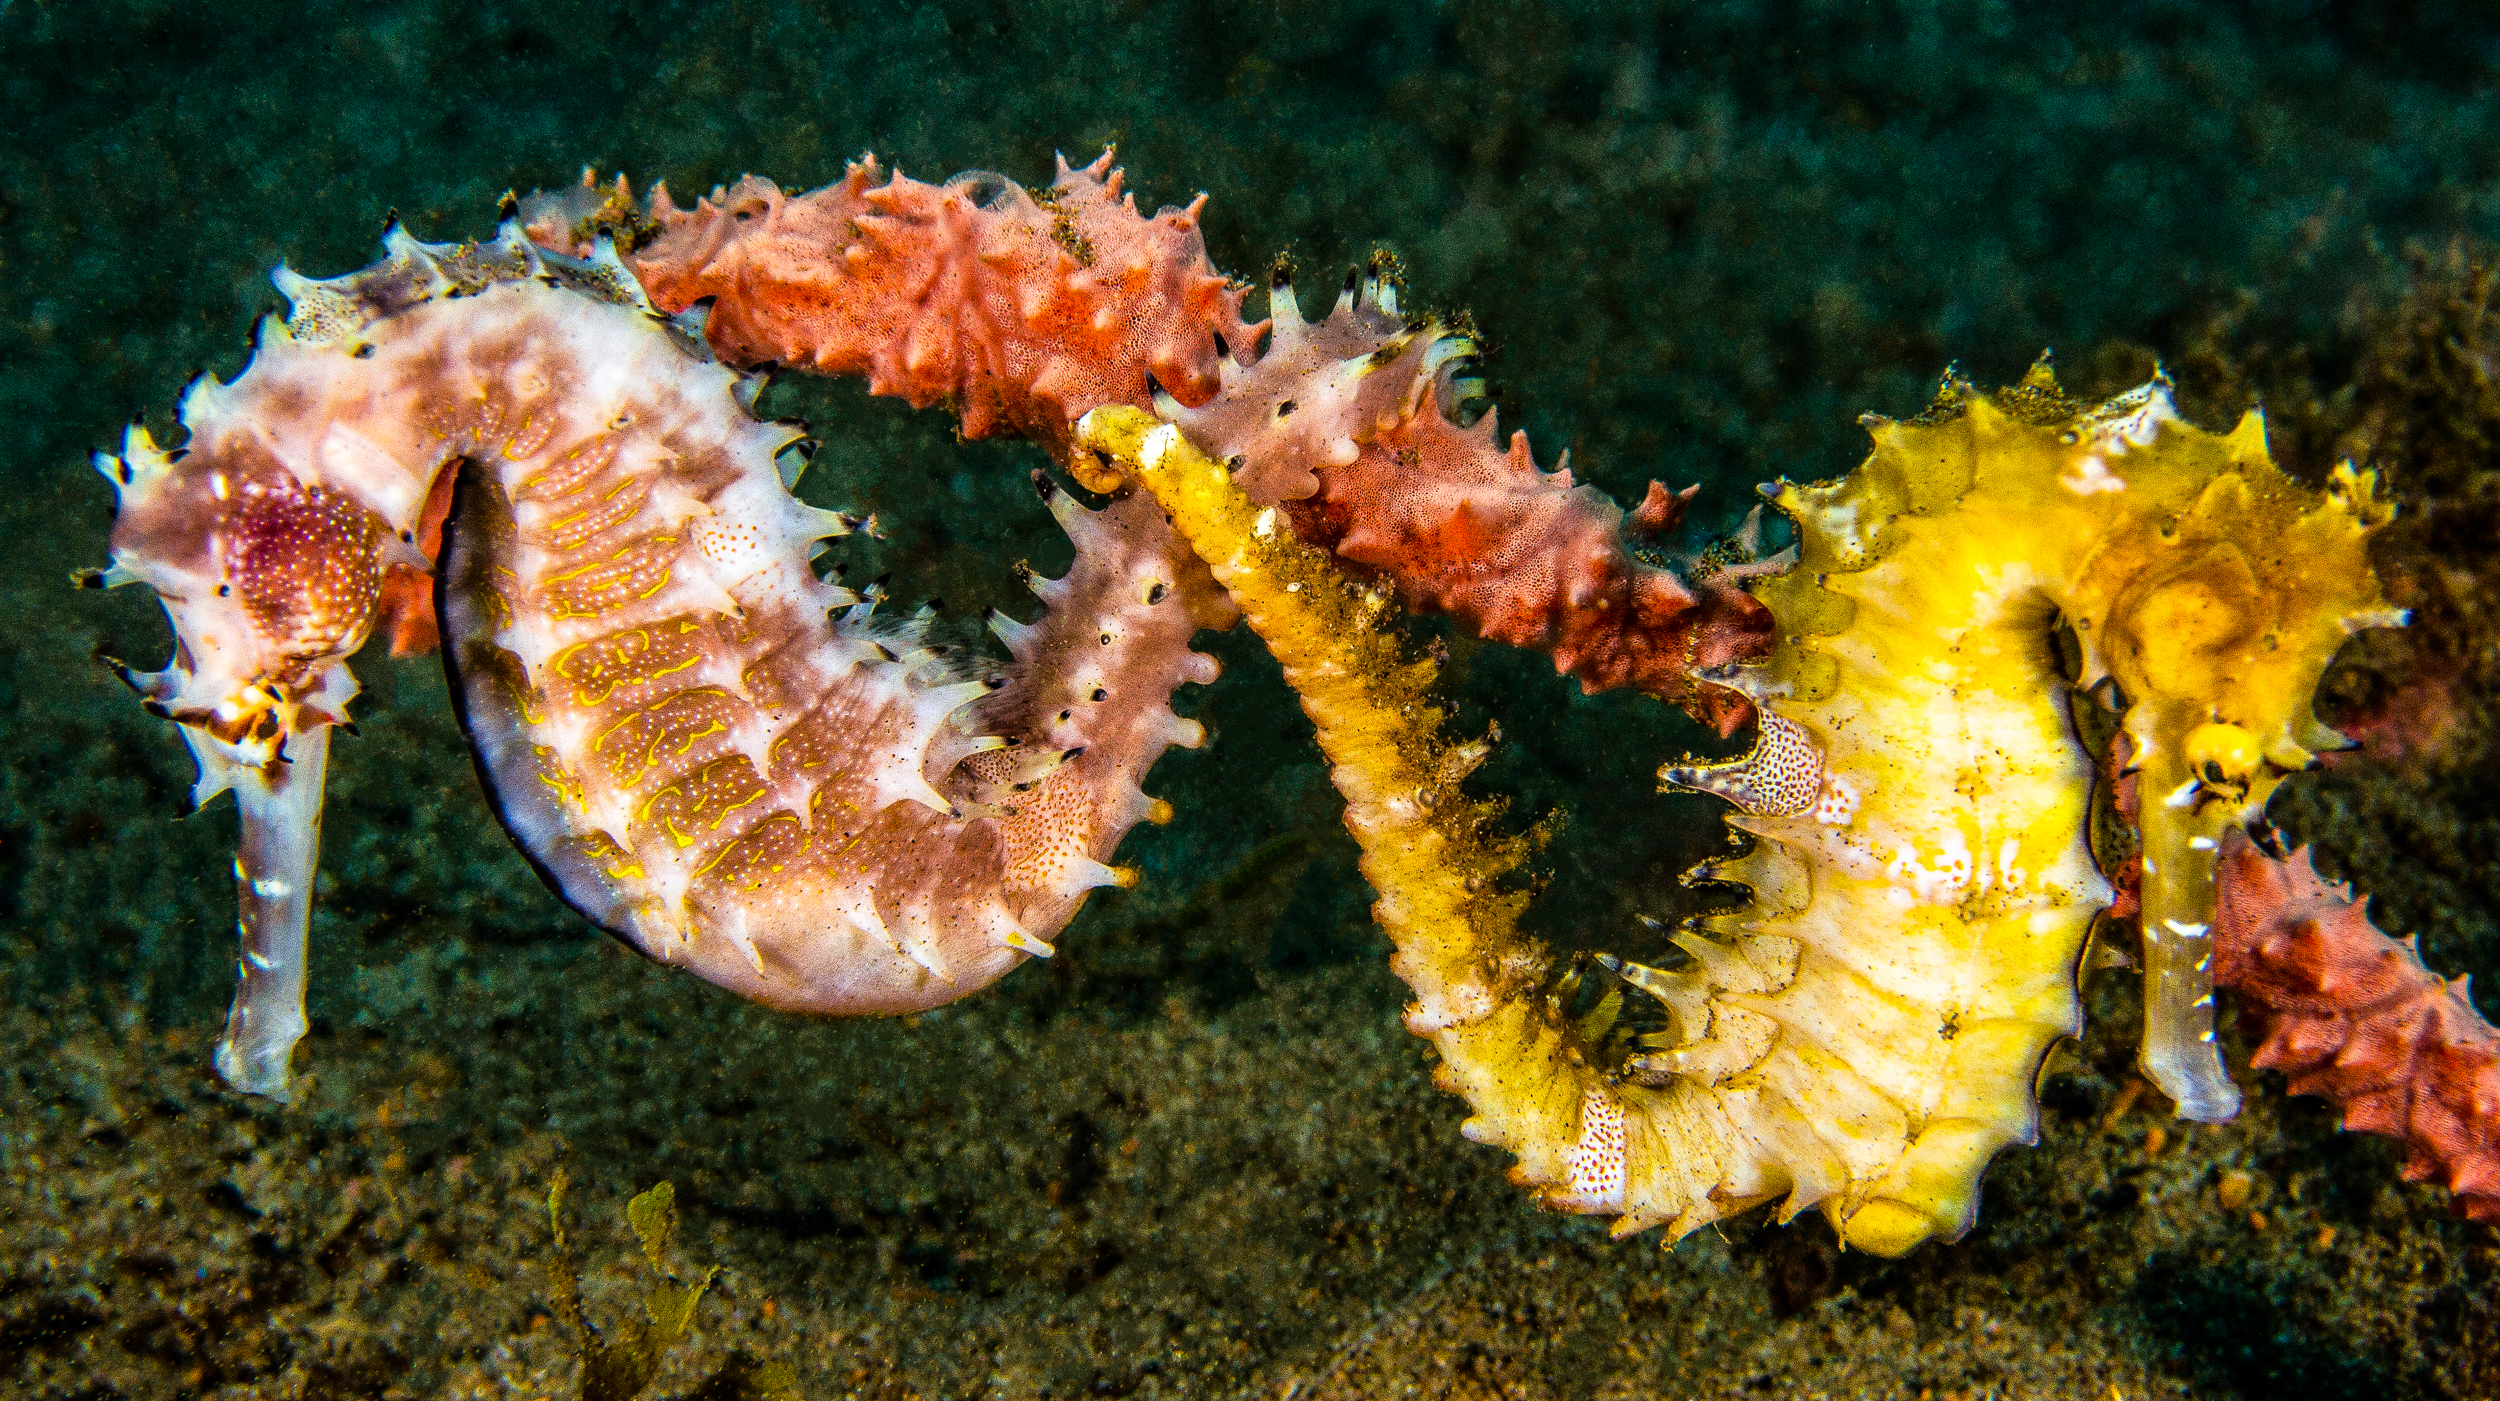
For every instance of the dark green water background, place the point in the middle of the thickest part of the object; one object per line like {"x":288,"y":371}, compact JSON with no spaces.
{"x":1194,"y":1156}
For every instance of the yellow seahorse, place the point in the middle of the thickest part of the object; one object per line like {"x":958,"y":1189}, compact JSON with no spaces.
{"x":2208,"y":589}
{"x":1920,"y":801}
{"x":1864,"y":1036}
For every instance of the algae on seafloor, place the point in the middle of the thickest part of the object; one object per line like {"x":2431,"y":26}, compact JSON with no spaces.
{"x":620,"y":1369}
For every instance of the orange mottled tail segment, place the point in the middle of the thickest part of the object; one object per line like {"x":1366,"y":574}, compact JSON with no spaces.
{"x":2352,"y":1015}
{"x":1028,"y":309}
{"x":1024,"y":310}
{"x":1344,"y":424}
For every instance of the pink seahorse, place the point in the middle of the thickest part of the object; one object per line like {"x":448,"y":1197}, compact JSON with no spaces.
{"x":693,"y":745}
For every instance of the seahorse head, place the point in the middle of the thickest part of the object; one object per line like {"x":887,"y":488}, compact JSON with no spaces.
{"x":269,"y":582}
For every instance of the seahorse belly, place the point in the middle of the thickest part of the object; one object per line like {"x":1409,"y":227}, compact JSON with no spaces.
{"x":1920,"y":903}
{"x":806,"y":813}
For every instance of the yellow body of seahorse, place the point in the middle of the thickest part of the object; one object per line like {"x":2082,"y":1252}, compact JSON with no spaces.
{"x":1866,"y":1034}
{"x":1870,"y":1030}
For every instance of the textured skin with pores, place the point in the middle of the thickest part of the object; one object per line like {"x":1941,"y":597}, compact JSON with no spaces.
{"x":788,"y":808}
{"x":801,"y":813}
{"x":1026,"y":313}
{"x":1871,"y":1027}
{"x":1863,"y":1038}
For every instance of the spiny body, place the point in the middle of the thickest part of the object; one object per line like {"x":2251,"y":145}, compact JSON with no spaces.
{"x":1866,"y":1035}
{"x":2353,"y":1016}
{"x":1027,"y":312}
{"x":795,"y":810}
{"x":661,"y":705}
{"x":1348,"y":424}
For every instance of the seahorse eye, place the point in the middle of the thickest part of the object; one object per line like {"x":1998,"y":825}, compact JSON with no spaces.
{"x":2223,"y":753}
